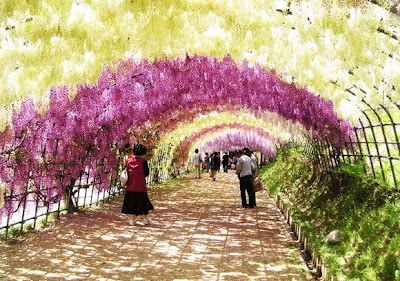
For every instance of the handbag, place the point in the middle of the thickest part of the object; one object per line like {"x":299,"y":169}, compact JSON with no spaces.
{"x":257,"y":184}
{"x":123,"y":178}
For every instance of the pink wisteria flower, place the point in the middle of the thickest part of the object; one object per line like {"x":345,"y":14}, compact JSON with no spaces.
{"x":238,"y":140}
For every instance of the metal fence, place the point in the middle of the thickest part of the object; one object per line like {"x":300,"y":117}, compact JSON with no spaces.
{"x":376,"y":143}
{"x":31,"y":207}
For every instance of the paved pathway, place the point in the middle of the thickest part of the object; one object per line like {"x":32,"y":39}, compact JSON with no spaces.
{"x":198,"y":232}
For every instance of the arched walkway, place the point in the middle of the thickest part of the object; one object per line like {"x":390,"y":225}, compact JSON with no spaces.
{"x":198,"y":232}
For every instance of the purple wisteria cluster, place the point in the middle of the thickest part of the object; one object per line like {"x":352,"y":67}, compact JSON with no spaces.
{"x":74,"y":135}
{"x":238,"y":140}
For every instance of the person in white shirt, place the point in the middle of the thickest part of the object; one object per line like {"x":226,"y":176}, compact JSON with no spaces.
{"x":197,"y":163}
{"x":254,"y":161}
{"x":245,"y":170}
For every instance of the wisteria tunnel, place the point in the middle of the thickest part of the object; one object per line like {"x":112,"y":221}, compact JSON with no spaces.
{"x":310,"y":86}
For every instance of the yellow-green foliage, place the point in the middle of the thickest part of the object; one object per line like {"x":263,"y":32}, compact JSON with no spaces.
{"x":51,"y":43}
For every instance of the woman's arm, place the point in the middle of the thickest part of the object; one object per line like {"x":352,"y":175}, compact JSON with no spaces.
{"x":125,"y":161}
{"x":146,"y":168}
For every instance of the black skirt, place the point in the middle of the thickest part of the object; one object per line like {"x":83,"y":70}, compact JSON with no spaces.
{"x":136,"y":203}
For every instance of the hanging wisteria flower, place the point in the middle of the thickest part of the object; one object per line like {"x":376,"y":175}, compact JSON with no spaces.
{"x":183,"y":150}
{"x":236,"y":141}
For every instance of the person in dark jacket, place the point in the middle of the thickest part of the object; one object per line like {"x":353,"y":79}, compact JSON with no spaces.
{"x":136,"y":201}
{"x":215,"y":165}
{"x":225,"y":162}
{"x":207,"y":162}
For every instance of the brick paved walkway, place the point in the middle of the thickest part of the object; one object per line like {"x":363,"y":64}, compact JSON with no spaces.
{"x":198,"y":232}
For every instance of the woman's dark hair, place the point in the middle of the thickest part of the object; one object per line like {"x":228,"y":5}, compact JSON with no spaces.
{"x":127,"y":148}
{"x":196,"y":150}
{"x":139,"y":149}
{"x":215,"y":153}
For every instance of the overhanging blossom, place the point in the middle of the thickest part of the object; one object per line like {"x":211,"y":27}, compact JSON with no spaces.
{"x":238,"y":140}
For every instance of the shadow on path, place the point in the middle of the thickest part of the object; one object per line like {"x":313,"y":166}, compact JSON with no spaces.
{"x":198,"y":232}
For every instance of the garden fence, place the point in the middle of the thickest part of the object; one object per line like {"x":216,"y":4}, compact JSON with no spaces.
{"x":32,"y":207}
{"x":376,"y":143}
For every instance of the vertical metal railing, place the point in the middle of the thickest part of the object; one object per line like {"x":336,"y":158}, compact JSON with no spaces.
{"x":376,"y":142}
{"x":34,"y":205}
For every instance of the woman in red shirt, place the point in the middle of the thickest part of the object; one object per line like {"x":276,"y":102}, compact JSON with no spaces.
{"x":136,"y":201}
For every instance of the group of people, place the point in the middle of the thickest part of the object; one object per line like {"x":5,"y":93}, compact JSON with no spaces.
{"x":211,"y":163}
{"x":136,"y":201}
{"x":245,"y":164}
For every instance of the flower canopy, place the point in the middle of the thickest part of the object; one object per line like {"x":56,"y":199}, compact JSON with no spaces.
{"x":129,"y":103}
{"x":145,"y":93}
{"x":81,"y":78}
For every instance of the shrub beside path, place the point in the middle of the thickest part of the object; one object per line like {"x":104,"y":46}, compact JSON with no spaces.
{"x":198,"y":232}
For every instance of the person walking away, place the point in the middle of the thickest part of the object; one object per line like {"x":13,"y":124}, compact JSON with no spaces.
{"x":136,"y":201}
{"x":197,"y":163}
{"x":245,"y":174}
{"x":207,"y":162}
{"x":225,"y":161}
{"x":219,"y":157}
{"x":254,"y":163}
{"x":215,"y":165}
{"x":234,"y":162}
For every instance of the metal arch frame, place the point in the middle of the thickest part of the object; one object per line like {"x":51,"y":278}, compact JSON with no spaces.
{"x":382,"y":125}
{"x":386,"y":142}
{"x":371,"y":126}
{"x":393,"y":125}
{"x":323,"y":154}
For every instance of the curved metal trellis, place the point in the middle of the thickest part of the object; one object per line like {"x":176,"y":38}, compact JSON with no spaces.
{"x":376,"y":141}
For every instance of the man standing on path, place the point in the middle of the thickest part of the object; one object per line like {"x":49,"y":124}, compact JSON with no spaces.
{"x":244,"y":170}
{"x":225,"y":161}
{"x":215,"y":165}
{"x":197,"y":163}
{"x":254,"y":162}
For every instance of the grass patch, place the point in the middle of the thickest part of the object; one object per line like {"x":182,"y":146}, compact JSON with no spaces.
{"x":364,"y":210}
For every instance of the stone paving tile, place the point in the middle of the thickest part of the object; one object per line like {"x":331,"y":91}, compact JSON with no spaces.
{"x":198,"y":232}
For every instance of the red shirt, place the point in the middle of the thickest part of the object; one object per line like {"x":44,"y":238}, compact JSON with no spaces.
{"x":136,"y":174}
